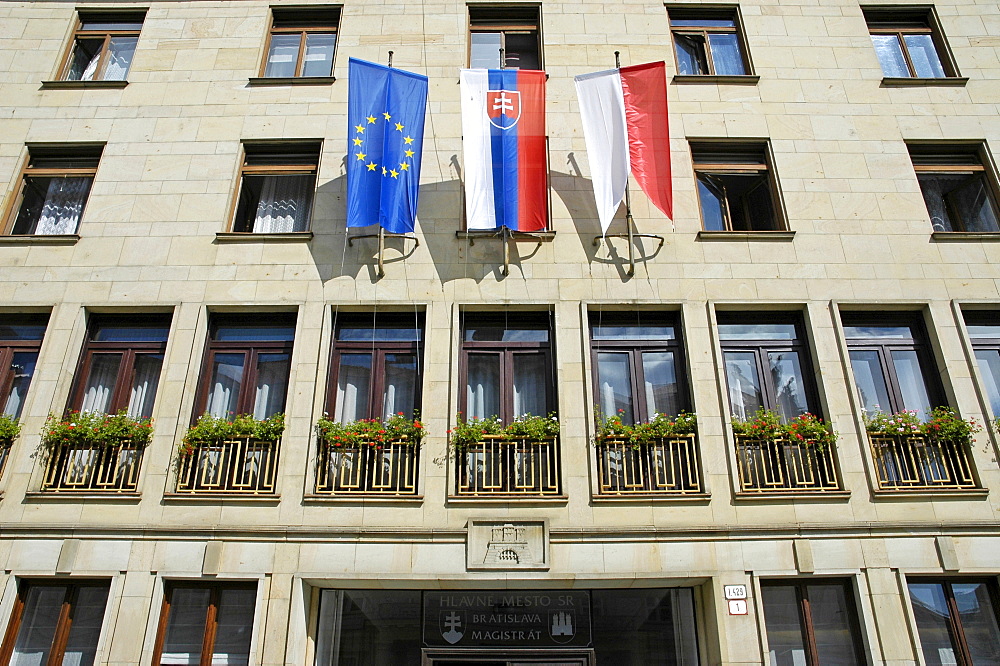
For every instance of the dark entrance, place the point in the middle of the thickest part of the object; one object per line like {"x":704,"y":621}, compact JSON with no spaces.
{"x":507,"y":658}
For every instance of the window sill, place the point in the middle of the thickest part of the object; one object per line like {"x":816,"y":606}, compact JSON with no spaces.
{"x":516,"y":236}
{"x":930,"y":493}
{"x":507,"y":500}
{"x":777,"y":236}
{"x":251,"y":237}
{"x":215,"y":498}
{"x":69,"y":85}
{"x":779,"y":496}
{"x":40,"y":239}
{"x":950,"y":236}
{"x":77,"y":496}
{"x":363,"y":499}
{"x":909,"y":82}
{"x":731,"y":79}
{"x":651,"y":497}
{"x":291,"y":80}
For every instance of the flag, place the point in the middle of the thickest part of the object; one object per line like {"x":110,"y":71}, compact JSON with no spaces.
{"x":503,"y":126}
{"x":385,"y":111}
{"x":625,"y":124}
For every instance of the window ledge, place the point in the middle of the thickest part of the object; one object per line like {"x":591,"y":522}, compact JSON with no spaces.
{"x":651,"y":497}
{"x":812,"y":496}
{"x":733,"y":79}
{"x":251,"y":237}
{"x":507,"y":500}
{"x":363,"y":499}
{"x":214,"y":498}
{"x":292,"y":80}
{"x":908,"y":82}
{"x":965,"y":236}
{"x":516,"y":236}
{"x":780,"y":236}
{"x":76,"y":496}
{"x":40,"y":239}
{"x":68,"y":85}
{"x":924,"y":493}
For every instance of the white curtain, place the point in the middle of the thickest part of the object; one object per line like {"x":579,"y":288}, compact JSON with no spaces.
{"x":483,"y":386}
{"x":529,"y":385}
{"x":272,"y":383}
{"x":101,"y":382}
{"x":144,"y":382}
{"x":120,"y":54}
{"x":400,"y":384}
{"x":283,"y":205}
{"x":226,"y":384}
{"x":63,"y":205}
{"x":353,"y":380}
{"x":23,"y":367}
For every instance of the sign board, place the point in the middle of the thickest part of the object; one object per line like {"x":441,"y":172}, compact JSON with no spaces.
{"x":737,"y":607}
{"x":736,"y":591}
{"x":507,"y":618}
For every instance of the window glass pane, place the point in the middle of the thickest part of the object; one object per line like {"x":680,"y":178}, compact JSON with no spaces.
{"x":483,"y":387}
{"x":23,"y":368}
{"x":105,"y":25}
{"x":911,"y":382}
{"x":88,"y":615}
{"x":972,"y":205}
{"x":120,"y":52}
{"x":989,"y":369}
{"x":924,"y":56}
{"x":784,"y":626}
{"x":369,"y":627}
{"x":879,"y":332}
{"x":934,"y":187}
{"x":29,"y":331}
{"x":530,"y":385}
{"x":638,"y":332}
{"x":485,"y":50}
{"x":691,"y":57}
{"x":224,"y":388}
{"x":713,"y":206}
{"x":503,"y":334}
{"x":400,"y":392}
{"x":362,"y":333}
{"x":145,"y":379}
{"x":85,"y":59}
{"x":282,"y":57}
{"x":757,"y":331}
{"x":745,"y":395}
{"x":101,"y":382}
{"x":890,"y":55}
{"x":836,"y":641}
{"x":726,"y":54}
{"x":272,"y":384}
{"x":930,"y":609}
{"x":353,"y":385}
{"x":235,"y":627}
{"x":275,"y":203}
{"x":660,"y":383}
{"x":870,"y":381}
{"x":614,"y":385}
{"x":278,"y":333}
{"x":52,"y":206}
{"x":521,"y":51}
{"x":979,"y":621}
{"x":185,"y":626}
{"x":978,"y":331}
{"x":42,"y":606}
{"x":641,"y":627}
{"x":319,"y":54}
{"x":151,"y":333}
{"x":704,"y":22}
{"x":789,"y":386}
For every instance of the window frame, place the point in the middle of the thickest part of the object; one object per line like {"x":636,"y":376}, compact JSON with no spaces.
{"x":954,"y":152}
{"x":116,"y":16}
{"x":900,"y":20}
{"x":293,"y":149}
{"x":763,"y":167}
{"x":10,"y":347}
{"x":211,"y":614}
{"x":506,"y":352}
{"x":300,"y":14}
{"x":971,"y":317}
{"x":61,"y":634}
{"x":378,"y":349}
{"x":521,"y":22}
{"x":635,"y":348}
{"x":709,"y":12}
{"x":956,"y":631}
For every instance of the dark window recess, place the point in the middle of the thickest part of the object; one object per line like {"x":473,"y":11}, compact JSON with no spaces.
{"x":301,"y":42}
{"x":205,"y":624}
{"x":959,"y":191}
{"x":277,"y":182}
{"x":909,"y":43}
{"x":956,"y":620}
{"x":504,"y":38}
{"x":103,"y":46}
{"x":55,"y":186}
{"x":811,"y":623}
{"x":736,"y":187}
{"x":708,"y":42}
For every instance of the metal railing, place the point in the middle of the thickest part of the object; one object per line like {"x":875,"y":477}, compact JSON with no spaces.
{"x":781,"y":466}
{"x":667,"y":466}
{"x":98,"y":468}
{"x":917,"y":462}
{"x":366,"y":469}
{"x":242,"y":466}
{"x":5,"y":447}
{"x":518,"y":467}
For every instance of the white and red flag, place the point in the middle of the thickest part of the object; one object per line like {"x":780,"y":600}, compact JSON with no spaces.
{"x":625,"y":126}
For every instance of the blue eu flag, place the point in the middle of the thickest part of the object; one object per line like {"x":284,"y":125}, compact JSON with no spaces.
{"x":385,"y":111}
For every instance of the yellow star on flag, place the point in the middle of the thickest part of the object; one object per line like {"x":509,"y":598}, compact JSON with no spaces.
{"x":357,"y":141}
{"x":399,"y":127}
{"x":361,"y":156}
{"x":371,"y":120}
{"x":395,"y":174}
{"x":387,"y":116}
{"x":404,"y":166}
{"x":371,"y":166}
{"x":408,"y":139}
{"x":409,"y":153}
{"x":360,"y":129}
{"x":384,"y":172}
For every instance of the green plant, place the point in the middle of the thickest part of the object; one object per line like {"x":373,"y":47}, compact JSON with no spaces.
{"x":10,"y":428}
{"x":659,"y":427}
{"x":210,"y":429}
{"x":944,"y":423}
{"x":528,"y":426}
{"x":806,"y":428}
{"x":373,"y":432}
{"x":87,"y":429}
{"x":469,"y":432}
{"x":534,"y":428}
{"x":902,"y":422}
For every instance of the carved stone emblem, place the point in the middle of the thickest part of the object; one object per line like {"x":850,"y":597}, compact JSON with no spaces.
{"x":494,"y":544}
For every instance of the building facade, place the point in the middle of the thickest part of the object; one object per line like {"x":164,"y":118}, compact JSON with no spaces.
{"x":174,"y":243}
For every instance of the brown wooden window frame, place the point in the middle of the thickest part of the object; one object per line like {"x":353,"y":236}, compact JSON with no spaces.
{"x":901,"y":21}
{"x":702,"y":33}
{"x":969,"y":159}
{"x":303,"y":21}
{"x":262,"y":159}
{"x":124,"y":16}
{"x":736,"y":161}
{"x":955,"y":629}
{"x":507,"y":20}
{"x":9,"y":347}
{"x":211,"y":616}
{"x":64,"y":624}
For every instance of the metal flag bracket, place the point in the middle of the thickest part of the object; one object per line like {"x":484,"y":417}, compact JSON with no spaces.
{"x":381,"y":236}
{"x":507,"y":236}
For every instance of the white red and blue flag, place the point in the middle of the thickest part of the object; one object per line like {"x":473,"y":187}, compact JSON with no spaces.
{"x":506,"y":171}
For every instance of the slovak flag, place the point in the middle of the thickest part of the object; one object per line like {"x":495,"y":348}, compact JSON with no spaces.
{"x":625,"y":125}
{"x":503,"y":125}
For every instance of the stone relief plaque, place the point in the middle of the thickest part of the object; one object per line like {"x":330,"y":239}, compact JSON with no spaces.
{"x":507,"y":544}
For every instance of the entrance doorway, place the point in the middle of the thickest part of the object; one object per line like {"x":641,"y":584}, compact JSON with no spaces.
{"x":468,"y":657}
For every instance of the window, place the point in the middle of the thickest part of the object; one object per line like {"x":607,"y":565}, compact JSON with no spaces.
{"x":638,"y":367}
{"x":276,"y":188}
{"x":735,"y":187}
{"x":375,"y":369}
{"x":103,"y":46}
{"x":506,"y":366}
{"x":959,"y":192}
{"x":55,"y":622}
{"x":909,"y":43}
{"x":811,"y":623}
{"x":892,"y":366}
{"x":247,"y":365}
{"x":767,"y":364}
{"x":708,"y":42}
{"x":984,"y":330}
{"x":55,"y":184}
{"x":206,"y":624}
{"x":504,"y":38}
{"x":121,"y":364}
{"x":301,"y":42}
{"x":20,"y":340}
{"x":956,"y":621}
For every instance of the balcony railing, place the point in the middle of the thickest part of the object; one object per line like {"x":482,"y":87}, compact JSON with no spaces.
{"x":386,"y":469}
{"x":667,"y":466}
{"x":917,"y":462}
{"x":4,"y":454}
{"x":518,"y":467}
{"x":98,"y":468}
{"x":233,"y":467}
{"x":782,"y":466}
